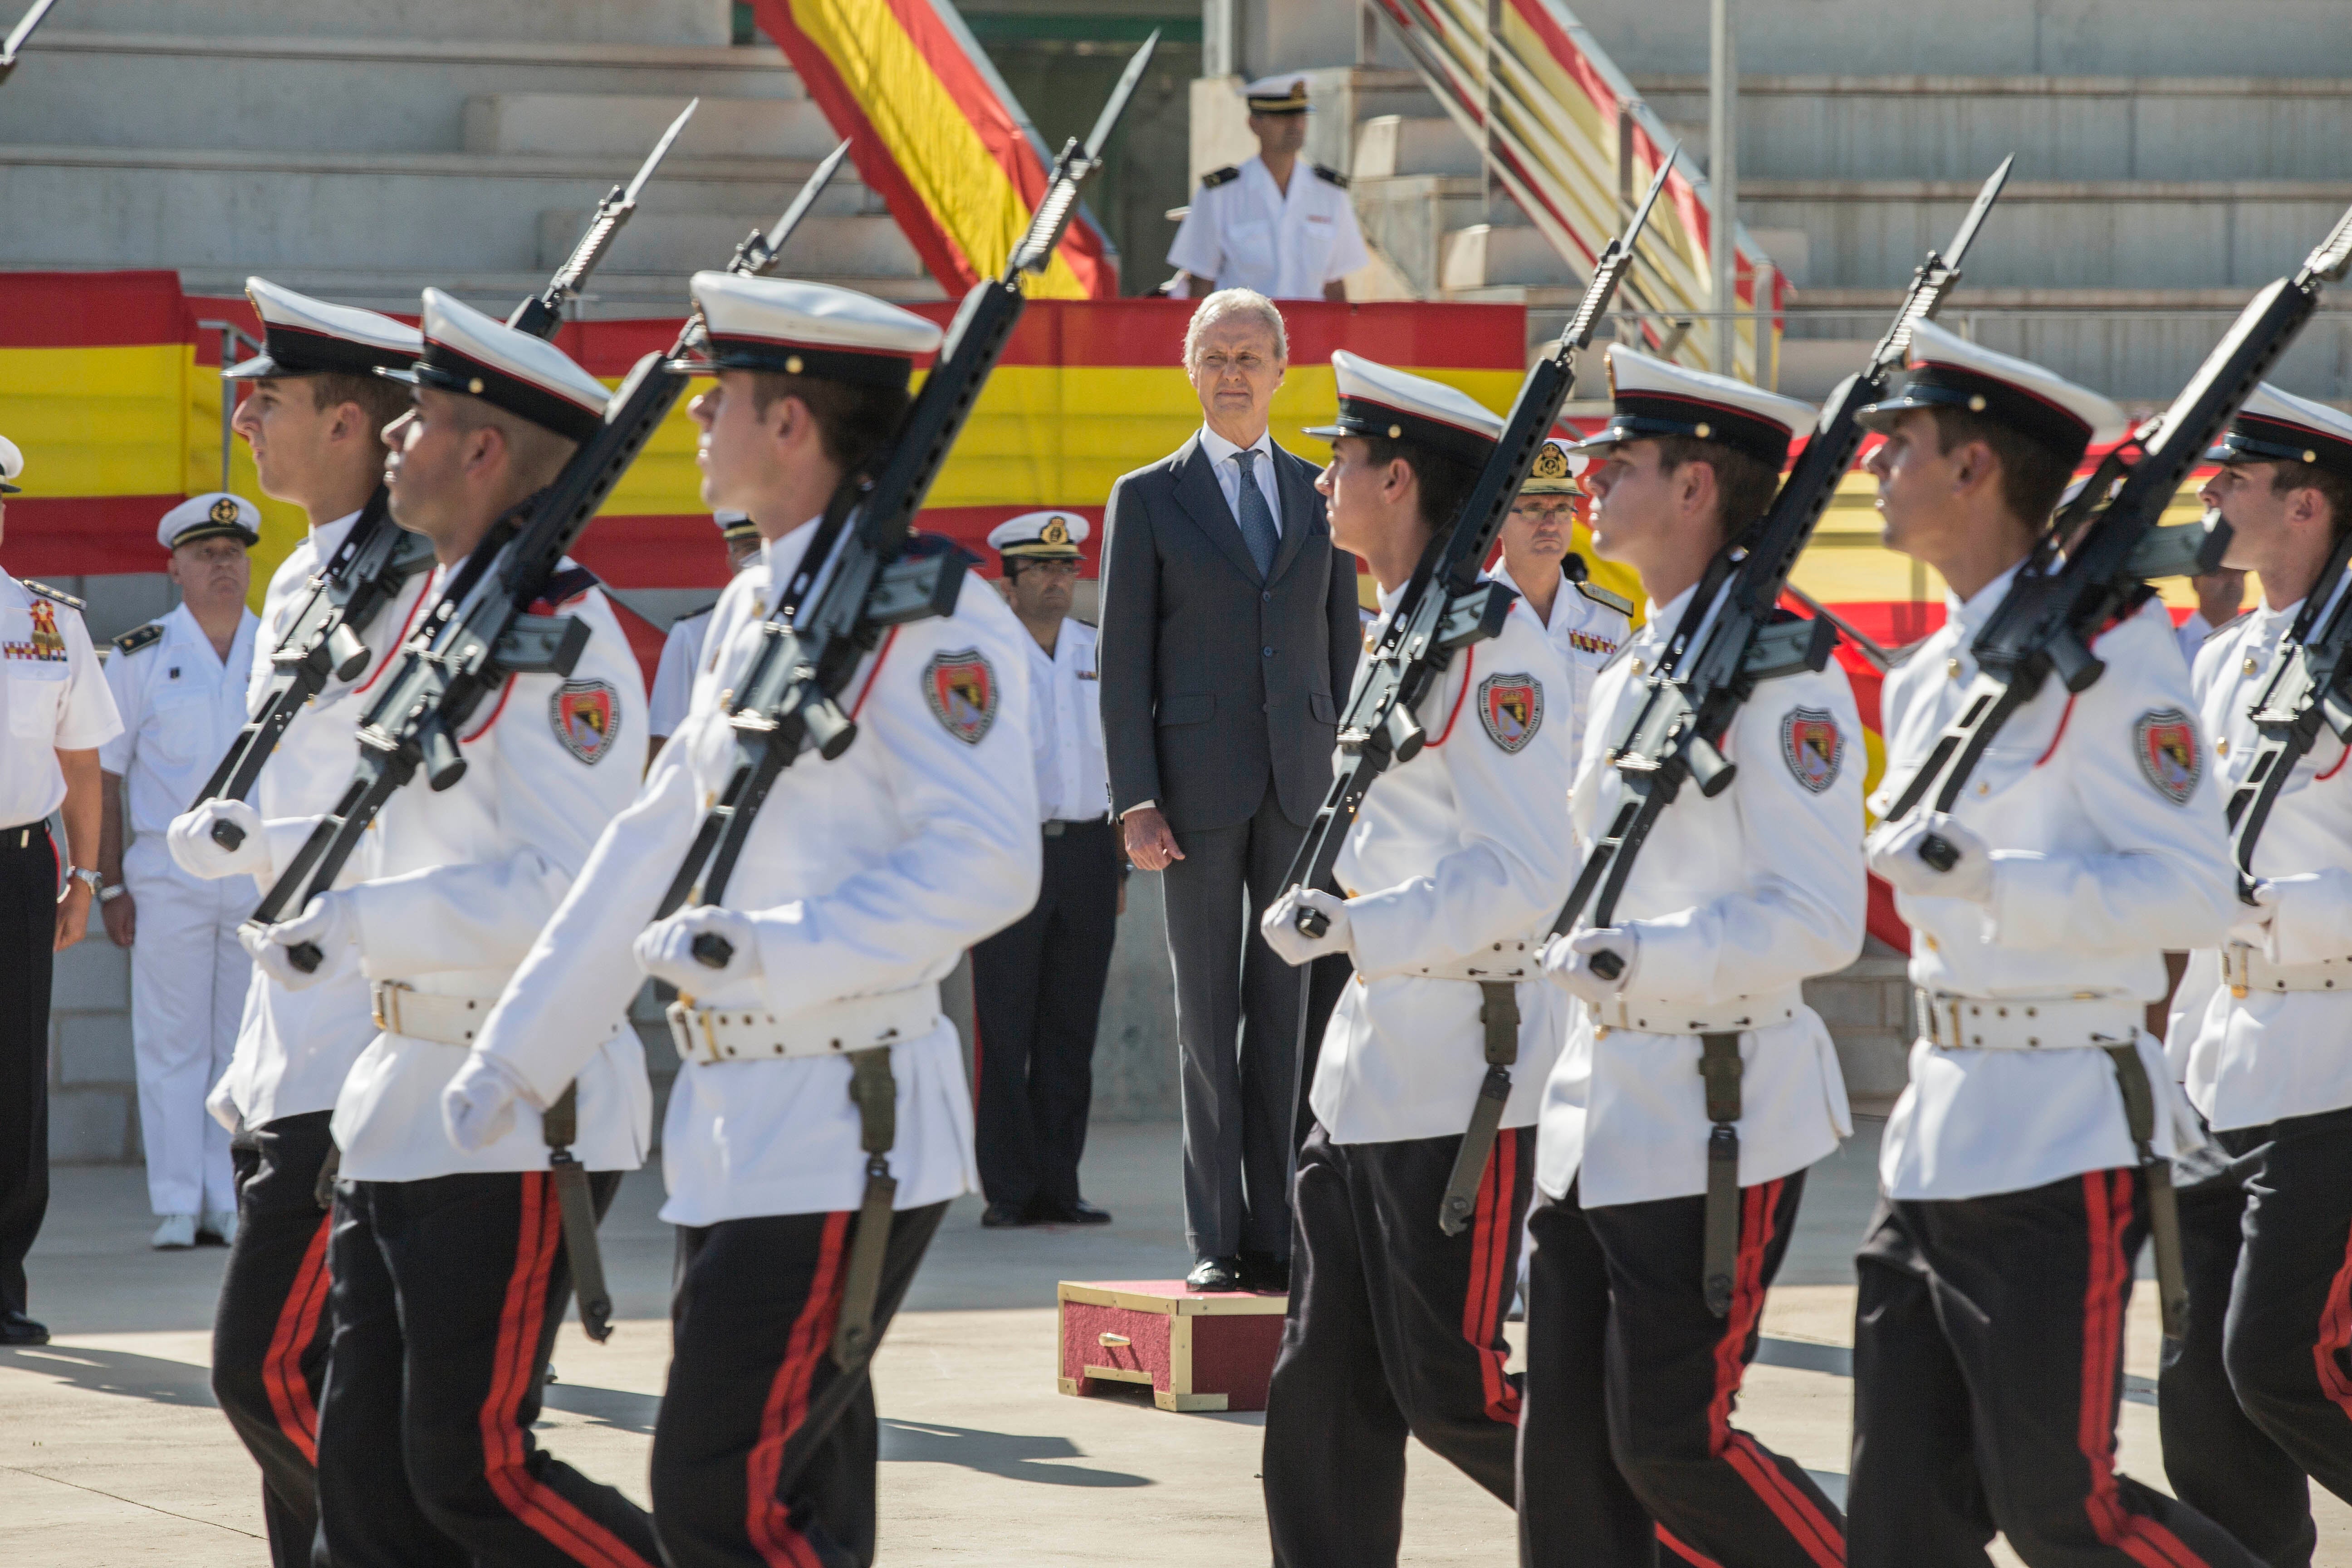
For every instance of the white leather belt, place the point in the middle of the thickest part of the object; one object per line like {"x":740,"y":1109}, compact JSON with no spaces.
{"x":2245,"y":970}
{"x":1503,"y":961}
{"x":2026,"y":1023}
{"x":402,"y":1009}
{"x":1728,"y":1016}
{"x":713,"y":1035}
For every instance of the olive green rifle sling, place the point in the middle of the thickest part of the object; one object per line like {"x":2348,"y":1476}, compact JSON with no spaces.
{"x":1499,"y":1012}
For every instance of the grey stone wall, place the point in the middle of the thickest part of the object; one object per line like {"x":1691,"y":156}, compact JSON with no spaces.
{"x":93,"y":1092}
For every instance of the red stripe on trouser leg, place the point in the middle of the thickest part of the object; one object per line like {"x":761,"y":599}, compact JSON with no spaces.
{"x":2108,"y":1279}
{"x":1685,"y":1550}
{"x":298,"y":1325}
{"x":1490,"y":1252}
{"x":766,"y":1519}
{"x":2335,"y":1328}
{"x":539,"y":1507}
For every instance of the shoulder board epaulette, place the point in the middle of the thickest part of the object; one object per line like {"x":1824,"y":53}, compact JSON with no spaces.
{"x":1607,"y":600}
{"x":45,"y":592}
{"x":923,"y":546}
{"x":567,"y":586}
{"x":1333,"y":175}
{"x":1215,"y":177}
{"x":138,"y":637}
{"x":2224,"y":627}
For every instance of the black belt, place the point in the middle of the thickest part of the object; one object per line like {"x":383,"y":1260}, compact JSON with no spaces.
{"x":22,"y":837}
{"x":1061,"y":825}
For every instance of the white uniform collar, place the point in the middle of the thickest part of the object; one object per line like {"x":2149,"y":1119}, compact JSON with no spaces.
{"x":1974,"y":611}
{"x":1662,"y":619}
{"x":1221,"y":450}
{"x":781,"y":557}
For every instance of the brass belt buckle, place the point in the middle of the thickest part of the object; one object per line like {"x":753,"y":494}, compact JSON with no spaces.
{"x":2238,"y":965}
{"x":383,"y":1003}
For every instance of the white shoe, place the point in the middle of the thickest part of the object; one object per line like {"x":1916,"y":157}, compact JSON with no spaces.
{"x":217,"y":1224}
{"x":176,"y":1231}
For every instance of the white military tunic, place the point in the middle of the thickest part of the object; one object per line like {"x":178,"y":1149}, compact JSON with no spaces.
{"x":54,"y":696}
{"x":681,"y":659}
{"x":2251,"y":1060}
{"x":1745,"y":895}
{"x":1066,"y":738}
{"x":456,"y":884}
{"x":2105,"y":854}
{"x":866,"y":875}
{"x":1247,"y":233}
{"x":1586,"y":633}
{"x":1454,"y":851}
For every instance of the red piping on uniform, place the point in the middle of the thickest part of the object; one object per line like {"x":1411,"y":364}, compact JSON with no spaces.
{"x":2108,"y":1279}
{"x":384,"y":659}
{"x":504,"y":692}
{"x":2063,"y":714}
{"x":1469,"y":665}
{"x":2337,"y":768}
{"x":298,"y":1325}
{"x":1490,"y":1251}
{"x":767,"y":1521}
{"x":1685,"y":1550}
{"x":537,"y":1506}
{"x":874,"y":674}
{"x":2336,"y":1325}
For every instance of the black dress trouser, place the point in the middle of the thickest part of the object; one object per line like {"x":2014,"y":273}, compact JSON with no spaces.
{"x":269,"y":1334}
{"x":2257,"y":1395}
{"x":1988,"y":1368}
{"x":765,"y":1449}
{"x":1631,"y":1387}
{"x":28,"y":933}
{"x":1393,"y":1327}
{"x":447,"y":1296}
{"x":1037,"y":991}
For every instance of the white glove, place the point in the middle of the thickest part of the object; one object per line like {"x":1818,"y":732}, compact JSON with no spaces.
{"x":2254,"y":923}
{"x":196,"y":852}
{"x":221,"y":1105}
{"x":478,"y":1107}
{"x":1893,"y":856}
{"x":665,"y":949}
{"x":327,"y":924}
{"x":1295,"y":947}
{"x":1567,"y":962}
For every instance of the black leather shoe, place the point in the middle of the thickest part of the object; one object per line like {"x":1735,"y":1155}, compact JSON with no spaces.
{"x":1266,"y":1275}
{"x":1215,"y":1274}
{"x":1078,"y":1211}
{"x":1003,"y":1217}
{"x":16,"y":1329}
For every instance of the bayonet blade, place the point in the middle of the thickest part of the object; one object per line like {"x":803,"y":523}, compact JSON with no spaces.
{"x":661,"y":150}
{"x":1127,"y":79}
{"x":1967,"y":234}
{"x":23,"y":30}
{"x":1657,"y":184}
{"x":811,"y":189}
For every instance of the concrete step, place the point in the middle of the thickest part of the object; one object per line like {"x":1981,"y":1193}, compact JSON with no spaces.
{"x":865,"y":245}
{"x":1406,"y":218}
{"x":1391,"y":144}
{"x":316,"y":94}
{"x":584,"y":124}
{"x":619,"y":21}
{"x":1484,"y":255}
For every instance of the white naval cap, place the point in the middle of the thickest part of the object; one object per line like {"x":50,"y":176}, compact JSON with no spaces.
{"x":1949,"y":372}
{"x":1376,"y":400}
{"x":12,"y":466}
{"x":469,"y":353}
{"x":803,"y":329}
{"x":1283,"y":93}
{"x":735,"y":525}
{"x":2274,"y":427}
{"x":1040,"y":536}
{"x":217,"y":514}
{"x":1554,"y":470}
{"x":302,"y":336}
{"x":1653,"y":398}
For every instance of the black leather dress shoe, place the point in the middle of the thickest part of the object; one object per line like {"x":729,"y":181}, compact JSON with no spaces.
{"x":16,"y":1329}
{"x":1215,"y":1274}
{"x":1266,"y":1276}
{"x":1003,"y":1217}
{"x":1078,"y":1211}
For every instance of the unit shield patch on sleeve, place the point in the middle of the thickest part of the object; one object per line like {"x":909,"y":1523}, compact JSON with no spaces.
{"x":586,"y":716}
{"x":1812,"y":746}
{"x":2165,"y":742}
{"x":961,"y":687}
{"x":1511,"y":707}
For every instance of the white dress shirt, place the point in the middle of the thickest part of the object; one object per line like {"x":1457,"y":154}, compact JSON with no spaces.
{"x":182,"y":705}
{"x":1228,"y":470}
{"x":54,"y":697}
{"x":1065,"y":707}
{"x":1286,"y":243}
{"x":681,"y":658}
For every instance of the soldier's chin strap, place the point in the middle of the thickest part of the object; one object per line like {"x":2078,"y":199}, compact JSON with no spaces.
{"x":876,"y":1092}
{"x":578,"y":1205}
{"x":1719,"y":1064}
{"x":2163,"y":1209}
{"x":1499,"y":1011}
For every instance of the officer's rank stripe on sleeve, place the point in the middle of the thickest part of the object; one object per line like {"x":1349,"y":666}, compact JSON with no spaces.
{"x":961,"y":687}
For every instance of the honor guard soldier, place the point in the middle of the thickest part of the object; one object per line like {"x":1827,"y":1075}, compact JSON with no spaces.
{"x":682,"y":651}
{"x":1586,"y":622}
{"x":1267,"y":224}
{"x":817,"y":1068}
{"x":180,"y":686}
{"x":312,"y":416}
{"x":2014,"y":1174}
{"x":2251,"y":1397}
{"x":1652,"y":1254}
{"x":59,"y":713}
{"x":1037,"y":985}
{"x":1406,"y":1246}
{"x":450,"y":1268}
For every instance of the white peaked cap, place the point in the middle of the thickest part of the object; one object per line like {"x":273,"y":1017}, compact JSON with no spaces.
{"x":1654,"y":398}
{"x":1040,"y":535}
{"x":1554,"y":470}
{"x":302,"y":336}
{"x":1284,"y":92}
{"x":469,"y":353}
{"x":2274,"y":427}
{"x":805,"y":329}
{"x":1377,"y":400}
{"x":215,"y":515}
{"x":1949,"y":372}
{"x":12,"y":467}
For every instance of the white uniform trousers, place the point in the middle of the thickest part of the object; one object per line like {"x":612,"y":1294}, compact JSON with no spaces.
{"x":188,"y":981}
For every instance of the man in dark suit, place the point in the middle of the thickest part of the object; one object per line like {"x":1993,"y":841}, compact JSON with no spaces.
{"x":1229,"y":640}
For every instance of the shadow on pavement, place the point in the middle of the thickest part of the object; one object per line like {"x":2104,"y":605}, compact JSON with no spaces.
{"x":124,"y":1373}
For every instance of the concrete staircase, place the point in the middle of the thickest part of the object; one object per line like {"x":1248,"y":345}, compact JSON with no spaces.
{"x":361,"y":149}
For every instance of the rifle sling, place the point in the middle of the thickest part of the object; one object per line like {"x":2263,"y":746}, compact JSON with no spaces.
{"x":2163,"y":1208}
{"x":1719,"y":1064}
{"x":325,"y":1189}
{"x":875,"y":1090}
{"x":578,"y":1205}
{"x":1499,"y":1012}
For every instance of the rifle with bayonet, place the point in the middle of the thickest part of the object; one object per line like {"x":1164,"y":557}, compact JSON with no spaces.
{"x":2309,"y":693}
{"x":378,"y":557}
{"x":20,"y":33}
{"x":1716,"y":656}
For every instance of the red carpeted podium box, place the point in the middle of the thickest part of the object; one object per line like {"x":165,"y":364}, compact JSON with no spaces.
{"x":1211,"y":1351}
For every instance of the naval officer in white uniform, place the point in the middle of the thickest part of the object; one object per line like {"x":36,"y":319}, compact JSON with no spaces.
{"x":1269,"y":224}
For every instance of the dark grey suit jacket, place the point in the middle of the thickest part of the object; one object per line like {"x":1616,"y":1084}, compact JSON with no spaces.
{"x":1214,"y":678}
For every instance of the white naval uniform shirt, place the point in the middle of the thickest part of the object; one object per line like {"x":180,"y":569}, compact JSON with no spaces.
{"x":294,"y":1047}
{"x":2097,"y":869}
{"x":54,"y":697}
{"x":1747,"y":894}
{"x":1586,"y":634}
{"x":458,"y":882}
{"x":868,"y":874}
{"x":1454,"y":850}
{"x":681,"y":658}
{"x":182,"y":705}
{"x":2270,"y":1054}
{"x":1286,"y":245}
{"x":1065,"y":706}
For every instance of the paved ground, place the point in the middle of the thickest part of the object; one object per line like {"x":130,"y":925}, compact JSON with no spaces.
{"x":114,"y":1454}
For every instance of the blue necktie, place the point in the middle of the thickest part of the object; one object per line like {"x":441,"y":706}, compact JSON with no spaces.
{"x":1256,"y":518}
